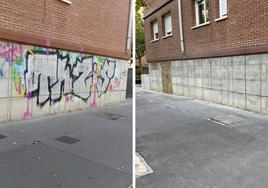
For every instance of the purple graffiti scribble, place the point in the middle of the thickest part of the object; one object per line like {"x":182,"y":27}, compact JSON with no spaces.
{"x":8,"y":51}
{"x":117,"y":83}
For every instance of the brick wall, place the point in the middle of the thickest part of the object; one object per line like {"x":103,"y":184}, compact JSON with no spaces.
{"x":245,"y":31}
{"x":96,"y":27}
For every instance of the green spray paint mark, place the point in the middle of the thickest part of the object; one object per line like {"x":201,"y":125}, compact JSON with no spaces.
{"x":100,"y":59}
{"x":18,"y":61}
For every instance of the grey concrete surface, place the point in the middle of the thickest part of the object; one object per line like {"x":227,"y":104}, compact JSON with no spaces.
{"x":186,"y":150}
{"x":237,"y":81}
{"x":101,"y":159}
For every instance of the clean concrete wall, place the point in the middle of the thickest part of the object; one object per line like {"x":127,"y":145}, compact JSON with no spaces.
{"x":145,"y":81}
{"x":155,"y":77}
{"x":239,"y":81}
{"x":36,"y":81}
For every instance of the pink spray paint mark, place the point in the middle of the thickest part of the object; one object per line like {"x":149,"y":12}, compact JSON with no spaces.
{"x":9,"y":51}
{"x":82,"y":48}
{"x":68,"y":98}
{"x":94,"y":103}
{"x":48,"y":44}
{"x":21,"y":51}
{"x":27,"y":114}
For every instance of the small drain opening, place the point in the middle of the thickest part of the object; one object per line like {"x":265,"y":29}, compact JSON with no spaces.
{"x":225,"y":119}
{"x":146,"y":93}
{"x":67,"y":140}
{"x":110,"y":116}
{"x":215,"y":121}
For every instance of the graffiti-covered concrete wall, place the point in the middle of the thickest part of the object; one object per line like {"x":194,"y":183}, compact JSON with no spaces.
{"x":36,"y":81}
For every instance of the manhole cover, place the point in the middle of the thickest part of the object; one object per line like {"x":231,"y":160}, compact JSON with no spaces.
{"x":141,"y":167}
{"x":67,"y":140}
{"x":226,"y":119}
{"x":111,"y":116}
{"x":2,"y":136}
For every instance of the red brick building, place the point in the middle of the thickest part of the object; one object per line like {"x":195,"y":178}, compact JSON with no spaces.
{"x":214,"y":50}
{"x":62,"y":55}
{"x":98,"y":27}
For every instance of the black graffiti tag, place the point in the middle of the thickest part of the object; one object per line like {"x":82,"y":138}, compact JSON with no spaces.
{"x":50,"y":75}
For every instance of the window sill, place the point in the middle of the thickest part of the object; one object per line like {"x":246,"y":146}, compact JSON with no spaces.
{"x":154,"y":40}
{"x":167,"y":36}
{"x":201,"y":25}
{"x":221,"y":18}
{"x":67,"y":1}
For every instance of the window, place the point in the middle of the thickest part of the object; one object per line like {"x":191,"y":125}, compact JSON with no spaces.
{"x":168,"y":24}
{"x":155,"y":30}
{"x":202,"y":11}
{"x":223,"y":8}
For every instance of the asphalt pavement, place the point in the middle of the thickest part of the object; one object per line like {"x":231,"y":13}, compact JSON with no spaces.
{"x":88,"y":149}
{"x":187,"y":145}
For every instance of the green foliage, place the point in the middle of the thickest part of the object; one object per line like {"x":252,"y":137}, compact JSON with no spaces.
{"x":140,"y":38}
{"x":139,"y":4}
{"x":138,"y":73}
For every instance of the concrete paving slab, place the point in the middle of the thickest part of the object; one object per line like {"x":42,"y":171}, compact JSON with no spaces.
{"x":43,"y":166}
{"x":104,"y":144}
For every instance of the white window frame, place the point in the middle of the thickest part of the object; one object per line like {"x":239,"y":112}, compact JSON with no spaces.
{"x":221,"y":8}
{"x":69,"y":2}
{"x":168,"y":31}
{"x":197,"y":13}
{"x":155,"y":30}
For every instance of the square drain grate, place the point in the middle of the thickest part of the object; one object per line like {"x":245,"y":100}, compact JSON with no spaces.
{"x":2,"y":136}
{"x":67,"y":140}
{"x":225,"y":119}
{"x":110,"y":116}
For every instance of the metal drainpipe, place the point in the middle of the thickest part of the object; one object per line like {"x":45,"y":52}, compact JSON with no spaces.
{"x":180,"y":26}
{"x":129,"y":27}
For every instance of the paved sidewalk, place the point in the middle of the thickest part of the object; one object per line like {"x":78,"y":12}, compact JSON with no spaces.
{"x":100,"y":158}
{"x":187,"y":146}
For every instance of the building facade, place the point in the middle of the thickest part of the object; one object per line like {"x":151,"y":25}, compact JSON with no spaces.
{"x":62,"y":55}
{"x":214,"y":50}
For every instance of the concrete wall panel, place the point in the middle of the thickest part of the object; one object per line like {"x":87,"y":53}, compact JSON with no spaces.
{"x":239,"y":81}
{"x":253,"y":103}
{"x":145,"y":81}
